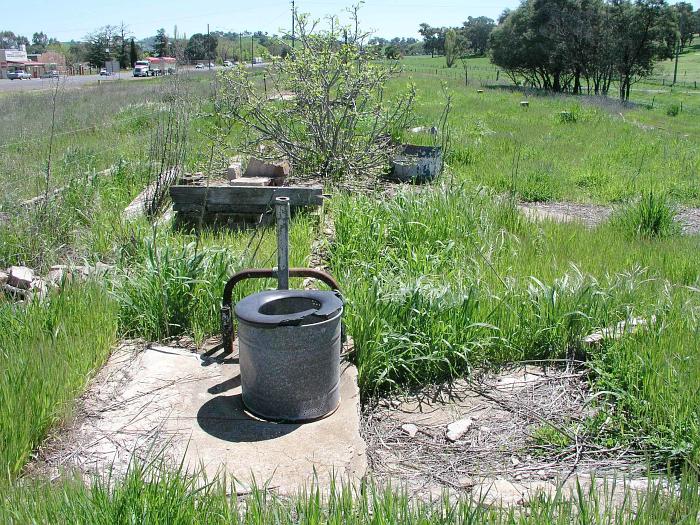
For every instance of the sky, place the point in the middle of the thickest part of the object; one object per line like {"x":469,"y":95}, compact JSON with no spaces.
{"x":67,"y":20}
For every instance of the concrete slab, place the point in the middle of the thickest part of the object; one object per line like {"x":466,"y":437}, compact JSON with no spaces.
{"x":169,"y":399}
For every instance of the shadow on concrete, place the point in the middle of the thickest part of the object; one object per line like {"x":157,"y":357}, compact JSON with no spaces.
{"x":224,"y":417}
{"x":227,"y":385}
{"x":219,"y":360}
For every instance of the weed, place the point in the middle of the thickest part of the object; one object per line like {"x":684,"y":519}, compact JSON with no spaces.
{"x":651,"y":216}
{"x":48,"y":350}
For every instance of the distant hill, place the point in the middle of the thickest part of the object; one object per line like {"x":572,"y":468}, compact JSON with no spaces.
{"x":147,"y":43}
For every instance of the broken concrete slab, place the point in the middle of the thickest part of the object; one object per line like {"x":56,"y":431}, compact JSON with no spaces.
{"x":20,"y":277}
{"x":170,"y":399}
{"x":622,"y":328}
{"x":278,"y":170}
{"x":252,"y":181}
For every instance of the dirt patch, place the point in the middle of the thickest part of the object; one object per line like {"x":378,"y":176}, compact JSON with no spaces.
{"x":592,"y":214}
{"x":407,"y":437}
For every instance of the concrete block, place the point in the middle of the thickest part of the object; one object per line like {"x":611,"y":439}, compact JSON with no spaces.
{"x":234,"y":171}
{"x":278,"y":170}
{"x":21,"y":277}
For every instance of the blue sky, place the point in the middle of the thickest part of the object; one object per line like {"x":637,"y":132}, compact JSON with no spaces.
{"x":68,"y":20}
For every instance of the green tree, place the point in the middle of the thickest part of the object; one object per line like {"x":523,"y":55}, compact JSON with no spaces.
{"x":161,"y":44}
{"x":133,"y":53}
{"x":98,"y":46}
{"x":433,"y":39}
{"x":476,"y":32}
{"x":8,"y":40}
{"x":201,"y":47}
{"x":451,"y":50}
{"x":39,"y":42}
{"x":687,"y":24}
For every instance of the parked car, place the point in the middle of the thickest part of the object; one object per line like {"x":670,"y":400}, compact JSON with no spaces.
{"x":228,"y":63}
{"x":18,"y":74}
{"x":50,"y":74}
{"x":199,"y":66}
{"x":104,"y":72}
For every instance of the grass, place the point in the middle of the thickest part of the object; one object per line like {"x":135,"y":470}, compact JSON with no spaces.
{"x":650,"y":216}
{"x":48,"y":351}
{"x":609,"y":154}
{"x":438,"y":282}
{"x":444,"y":281}
{"x":174,"y":284}
{"x":152,"y":494}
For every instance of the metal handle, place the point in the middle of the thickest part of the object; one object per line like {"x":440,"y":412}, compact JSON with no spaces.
{"x":227,"y":331}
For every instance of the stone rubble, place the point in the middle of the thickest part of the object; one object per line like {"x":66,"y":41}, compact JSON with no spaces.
{"x":457,"y":429}
{"x":21,"y":283}
{"x":410,"y":429}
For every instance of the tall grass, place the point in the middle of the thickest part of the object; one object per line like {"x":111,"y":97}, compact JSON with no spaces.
{"x":154,"y":495}
{"x":447,"y":280}
{"x":48,"y":350}
{"x":173,"y":283}
{"x":651,"y":215}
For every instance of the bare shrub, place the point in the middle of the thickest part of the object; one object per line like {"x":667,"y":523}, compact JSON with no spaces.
{"x":323,"y":107}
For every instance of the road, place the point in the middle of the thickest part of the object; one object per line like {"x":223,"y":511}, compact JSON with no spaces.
{"x":38,"y":84}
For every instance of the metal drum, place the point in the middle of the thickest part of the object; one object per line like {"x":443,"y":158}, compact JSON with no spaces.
{"x":289,"y":349}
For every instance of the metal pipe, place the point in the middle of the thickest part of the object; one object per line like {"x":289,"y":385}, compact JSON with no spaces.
{"x":227,"y":331}
{"x":282,"y":208}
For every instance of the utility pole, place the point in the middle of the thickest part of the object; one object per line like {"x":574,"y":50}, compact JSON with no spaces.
{"x":240,"y":46}
{"x":293,"y":23}
{"x":207,"y":48}
{"x":252,"y":52}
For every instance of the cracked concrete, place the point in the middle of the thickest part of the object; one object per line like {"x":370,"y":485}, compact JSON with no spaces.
{"x":170,"y":400}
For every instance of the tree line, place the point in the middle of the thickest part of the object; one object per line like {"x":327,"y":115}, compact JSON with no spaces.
{"x":576,"y":45}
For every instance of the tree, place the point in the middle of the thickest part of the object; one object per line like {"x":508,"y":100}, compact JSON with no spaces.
{"x":476,"y":32}
{"x":160,"y":44}
{"x":557,"y":44}
{"x":338,"y":125}
{"x":451,"y":47}
{"x":641,"y":33}
{"x":687,"y":24}
{"x":8,"y":40}
{"x":201,"y":47}
{"x":433,"y":39}
{"x":39,"y":42}
{"x":133,"y":53}
{"x":393,"y":52}
{"x":98,"y":46}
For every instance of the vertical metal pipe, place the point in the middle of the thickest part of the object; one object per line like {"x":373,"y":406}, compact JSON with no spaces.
{"x":282,"y":209}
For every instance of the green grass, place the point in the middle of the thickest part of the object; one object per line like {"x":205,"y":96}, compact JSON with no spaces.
{"x":174,"y":285}
{"x":48,"y":351}
{"x":153,"y":495}
{"x":605,"y":156}
{"x":444,"y":281}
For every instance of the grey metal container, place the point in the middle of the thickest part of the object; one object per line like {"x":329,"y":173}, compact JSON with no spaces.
{"x":289,"y":348}
{"x":417,"y":164}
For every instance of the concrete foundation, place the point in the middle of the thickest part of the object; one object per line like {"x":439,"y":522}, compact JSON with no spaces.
{"x":169,"y":400}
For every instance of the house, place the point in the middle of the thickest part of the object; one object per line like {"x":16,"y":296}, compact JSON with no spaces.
{"x":13,"y":59}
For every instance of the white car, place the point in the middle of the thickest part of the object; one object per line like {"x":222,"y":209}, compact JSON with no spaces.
{"x":199,"y":66}
{"x":104,"y":72}
{"x":228,"y":63}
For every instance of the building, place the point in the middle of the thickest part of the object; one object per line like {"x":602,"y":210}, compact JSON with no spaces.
{"x":13,"y":59}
